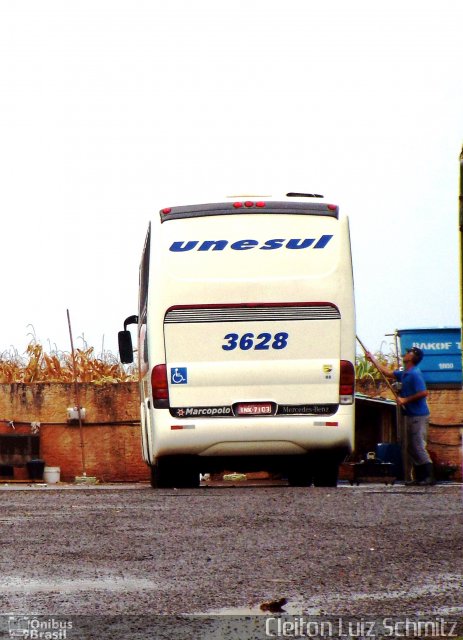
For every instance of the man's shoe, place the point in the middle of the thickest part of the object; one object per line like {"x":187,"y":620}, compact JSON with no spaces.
{"x":428,"y":478}
{"x":427,"y":482}
{"x":418,"y":475}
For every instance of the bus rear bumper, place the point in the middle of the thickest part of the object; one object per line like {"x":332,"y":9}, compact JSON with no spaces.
{"x":261,"y":436}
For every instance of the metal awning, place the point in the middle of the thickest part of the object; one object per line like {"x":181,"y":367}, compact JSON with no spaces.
{"x":379,"y":400}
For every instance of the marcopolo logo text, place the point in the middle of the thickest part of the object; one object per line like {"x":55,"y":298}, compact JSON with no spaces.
{"x":245,"y":245}
{"x":189,"y":412}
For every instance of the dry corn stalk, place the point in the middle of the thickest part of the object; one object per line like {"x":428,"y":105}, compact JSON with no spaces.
{"x":38,"y":366}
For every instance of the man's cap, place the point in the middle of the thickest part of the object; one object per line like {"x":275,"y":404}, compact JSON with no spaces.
{"x":417,"y":353}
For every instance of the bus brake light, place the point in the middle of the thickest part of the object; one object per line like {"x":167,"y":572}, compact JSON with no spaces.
{"x":160,"y":387}
{"x":346,"y":382}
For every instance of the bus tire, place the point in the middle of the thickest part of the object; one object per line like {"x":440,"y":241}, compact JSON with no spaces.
{"x":188,"y":472}
{"x":161,"y":474}
{"x":326,"y":473}
{"x":188,"y":478}
{"x":169,"y":473}
{"x":300,"y":475}
{"x":153,"y":477}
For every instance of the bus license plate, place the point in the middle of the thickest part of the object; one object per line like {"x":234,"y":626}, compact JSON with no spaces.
{"x":254,"y":409}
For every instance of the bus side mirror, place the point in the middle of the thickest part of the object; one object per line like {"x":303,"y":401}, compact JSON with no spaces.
{"x":125,"y":346}
{"x":125,"y":341}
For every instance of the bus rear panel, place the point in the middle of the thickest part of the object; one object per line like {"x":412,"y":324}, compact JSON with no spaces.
{"x":247,"y":340}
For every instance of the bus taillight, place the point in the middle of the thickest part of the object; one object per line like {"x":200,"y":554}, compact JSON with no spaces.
{"x":160,"y":387}
{"x":346,"y":382}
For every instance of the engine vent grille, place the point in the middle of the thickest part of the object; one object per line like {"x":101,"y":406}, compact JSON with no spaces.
{"x":252,"y":313}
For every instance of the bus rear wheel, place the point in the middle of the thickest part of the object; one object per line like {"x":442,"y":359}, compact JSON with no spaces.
{"x":326,"y":472}
{"x":172,"y":472}
{"x":300,"y":474}
{"x":161,"y":475}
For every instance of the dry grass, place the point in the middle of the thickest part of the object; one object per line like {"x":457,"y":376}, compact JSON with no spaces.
{"x":36,"y":365}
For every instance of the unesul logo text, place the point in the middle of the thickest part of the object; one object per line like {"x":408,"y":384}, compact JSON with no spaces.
{"x":243,"y":245}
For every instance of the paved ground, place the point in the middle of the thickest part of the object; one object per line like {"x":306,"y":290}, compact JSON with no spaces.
{"x":372,"y":550}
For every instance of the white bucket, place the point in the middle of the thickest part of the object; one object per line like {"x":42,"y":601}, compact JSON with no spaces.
{"x":51,"y":475}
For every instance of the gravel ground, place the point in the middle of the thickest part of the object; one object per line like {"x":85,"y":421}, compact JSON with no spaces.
{"x":372,"y":550}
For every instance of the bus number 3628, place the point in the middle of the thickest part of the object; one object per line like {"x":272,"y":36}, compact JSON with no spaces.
{"x":262,"y":342}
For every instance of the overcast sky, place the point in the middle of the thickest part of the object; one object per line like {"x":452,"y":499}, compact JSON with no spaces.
{"x":110,"y":110}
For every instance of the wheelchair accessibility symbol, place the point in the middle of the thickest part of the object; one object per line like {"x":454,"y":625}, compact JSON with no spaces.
{"x":178,"y":375}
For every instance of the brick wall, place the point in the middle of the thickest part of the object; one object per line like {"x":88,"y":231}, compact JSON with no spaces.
{"x":445,"y":438}
{"x":111,"y":431}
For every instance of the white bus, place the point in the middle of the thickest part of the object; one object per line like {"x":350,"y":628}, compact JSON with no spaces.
{"x":246,"y":340}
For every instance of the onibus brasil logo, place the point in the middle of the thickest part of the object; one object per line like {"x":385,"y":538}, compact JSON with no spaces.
{"x":39,"y":628}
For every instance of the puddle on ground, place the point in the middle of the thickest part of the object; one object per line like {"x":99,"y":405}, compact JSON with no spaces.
{"x":318,"y":605}
{"x":110,"y":584}
{"x":291,"y":609}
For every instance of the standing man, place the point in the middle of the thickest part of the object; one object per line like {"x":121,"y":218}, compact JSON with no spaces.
{"x":412,"y":400}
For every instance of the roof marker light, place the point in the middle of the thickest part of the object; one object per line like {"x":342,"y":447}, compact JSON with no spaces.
{"x":248,"y":203}
{"x":237,"y":205}
{"x":332,"y":207}
{"x":167,"y":210}
{"x":260,"y":204}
